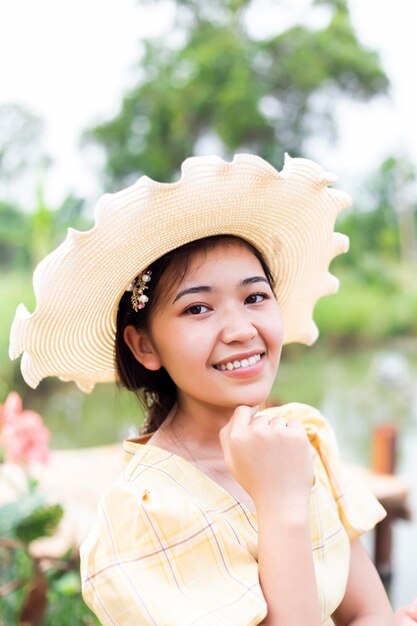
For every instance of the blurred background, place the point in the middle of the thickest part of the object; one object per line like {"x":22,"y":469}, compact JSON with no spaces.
{"x":93,"y":94}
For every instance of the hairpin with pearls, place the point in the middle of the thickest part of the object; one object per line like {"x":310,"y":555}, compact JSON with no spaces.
{"x":137,"y":287}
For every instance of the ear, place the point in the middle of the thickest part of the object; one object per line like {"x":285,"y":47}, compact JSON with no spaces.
{"x":141,"y":348}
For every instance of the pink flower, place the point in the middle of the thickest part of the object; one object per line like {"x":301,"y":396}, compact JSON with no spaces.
{"x":407,"y":615}
{"x":23,"y":434}
{"x":12,"y":407}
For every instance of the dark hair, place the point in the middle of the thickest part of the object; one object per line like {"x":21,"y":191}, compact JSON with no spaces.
{"x":156,"y":389}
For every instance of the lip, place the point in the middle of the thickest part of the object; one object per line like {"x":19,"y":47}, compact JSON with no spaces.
{"x":245,"y":372}
{"x":240,"y":356}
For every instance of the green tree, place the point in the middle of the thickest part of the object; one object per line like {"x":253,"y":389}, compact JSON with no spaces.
{"x":26,"y":237}
{"x":267,"y":96}
{"x":382,"y":223}
{"x":21,"y":149}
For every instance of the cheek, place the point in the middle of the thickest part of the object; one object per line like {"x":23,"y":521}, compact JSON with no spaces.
{"x":186,"y":360}
{"x":185,"y":345}
{"x":273,"y":327}
{"x":198,"y":343}
{"x":275,"y":341}
{"x":278,"y":330}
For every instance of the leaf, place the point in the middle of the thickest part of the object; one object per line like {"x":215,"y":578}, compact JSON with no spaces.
{"x":43,"y":522}
{"x":68,"y":584}
{"x":29,"y":518}
{"x":13,"y":513}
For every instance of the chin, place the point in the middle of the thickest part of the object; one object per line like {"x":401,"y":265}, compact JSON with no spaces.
{"x":250,"y":399}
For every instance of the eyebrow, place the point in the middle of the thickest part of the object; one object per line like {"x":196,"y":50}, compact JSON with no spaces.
{"x":207,"y":289}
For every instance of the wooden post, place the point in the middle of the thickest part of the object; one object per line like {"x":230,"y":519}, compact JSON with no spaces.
{"x":384,"y":453}
{"x":384,"y":449}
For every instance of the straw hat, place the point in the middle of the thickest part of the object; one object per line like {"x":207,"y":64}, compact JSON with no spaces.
{"x":288,"y":216}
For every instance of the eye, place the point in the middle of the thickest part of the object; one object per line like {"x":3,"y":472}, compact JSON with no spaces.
{"x":196,"y":309}
{"x":255,"y":298}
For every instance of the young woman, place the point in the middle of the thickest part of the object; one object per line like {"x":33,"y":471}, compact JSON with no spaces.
{"x":185,"y":293}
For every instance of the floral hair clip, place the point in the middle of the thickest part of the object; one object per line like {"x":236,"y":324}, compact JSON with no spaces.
{"x":137,"y":287}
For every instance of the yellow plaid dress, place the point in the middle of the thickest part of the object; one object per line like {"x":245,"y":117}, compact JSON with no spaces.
{"x":171,"y":547}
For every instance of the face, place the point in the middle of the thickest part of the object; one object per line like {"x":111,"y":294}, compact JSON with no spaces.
{"x":219,"y":333}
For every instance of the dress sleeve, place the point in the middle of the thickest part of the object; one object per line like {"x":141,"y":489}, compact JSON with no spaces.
{"x":358,"y":509}
{"x":156,"y":558}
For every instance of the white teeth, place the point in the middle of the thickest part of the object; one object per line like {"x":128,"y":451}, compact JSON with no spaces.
{"x":232,"y":365}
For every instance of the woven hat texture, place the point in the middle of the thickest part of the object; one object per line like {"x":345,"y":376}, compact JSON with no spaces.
{"x":288,"y":216}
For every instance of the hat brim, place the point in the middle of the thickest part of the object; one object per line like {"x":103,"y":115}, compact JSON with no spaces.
{"x":288,"y":216}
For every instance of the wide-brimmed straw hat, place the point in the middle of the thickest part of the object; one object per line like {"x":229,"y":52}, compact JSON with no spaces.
{"x":288,"y":216}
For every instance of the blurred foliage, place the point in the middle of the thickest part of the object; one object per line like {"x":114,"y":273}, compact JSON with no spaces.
{"x":23,"y":160}
{"x":381,"y":224}
{"x":41,"y":592}
{"x":364,"y":313}
{"x":221,"y":85}
{"x":15,"y":287}
{"x":28,"y":518}
{"x":65,"y":604}
{"x":26,"y":237}
{"x":36,"y":590}
{"x":20,"y":149}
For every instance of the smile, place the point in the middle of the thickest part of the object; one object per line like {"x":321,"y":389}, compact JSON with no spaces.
{"x":234,"y":365}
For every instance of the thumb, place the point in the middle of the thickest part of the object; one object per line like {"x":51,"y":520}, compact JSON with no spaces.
{"x":240,"y":418}
{"x":242,"y":415}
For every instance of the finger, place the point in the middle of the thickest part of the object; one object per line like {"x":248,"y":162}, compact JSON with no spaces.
{"x":241,"y":415}
{"x":240,"y":418}
{"x":298,"y":429}
{"x":278,"y":421}
{"x":295,"y":425}
{"x":260,"y":416}
{"x":259,"y":422}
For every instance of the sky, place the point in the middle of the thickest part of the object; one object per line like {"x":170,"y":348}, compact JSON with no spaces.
{"x":71,"y":62}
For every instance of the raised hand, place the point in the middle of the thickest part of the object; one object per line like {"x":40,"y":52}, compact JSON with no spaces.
{"x":268,"y":457}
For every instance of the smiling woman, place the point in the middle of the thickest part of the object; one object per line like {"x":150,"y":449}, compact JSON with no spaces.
{"x":230,"y":514}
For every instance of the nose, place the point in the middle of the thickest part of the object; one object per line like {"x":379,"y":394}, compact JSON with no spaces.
{"x":237,"y":325}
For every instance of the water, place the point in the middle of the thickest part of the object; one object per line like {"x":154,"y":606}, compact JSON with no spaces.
{"x":355,"y":390}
